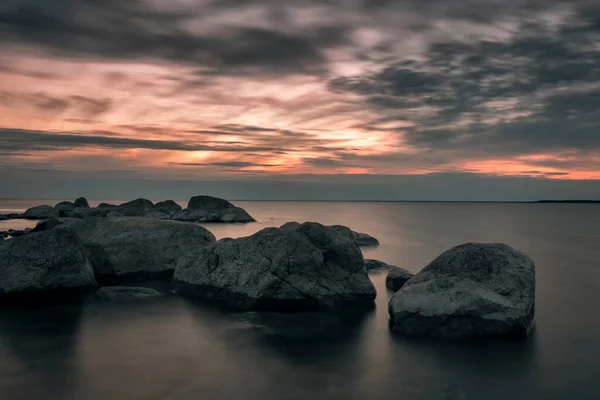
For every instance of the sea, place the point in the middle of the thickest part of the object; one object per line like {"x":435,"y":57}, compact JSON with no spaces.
{"x":173,"y":349}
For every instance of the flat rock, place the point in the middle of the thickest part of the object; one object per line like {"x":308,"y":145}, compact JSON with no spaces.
{"x":396,"y":278}
{"x":364,"y":239}
{"x":41,"y":212}
{"x":308,"y":267}
{"x":375,"y":265}
{"x":18,"y":232}
{"x":135,"y":248}
{"x":124,"y":293}
{"x":53,"y":261}
{"x":470,"y":290}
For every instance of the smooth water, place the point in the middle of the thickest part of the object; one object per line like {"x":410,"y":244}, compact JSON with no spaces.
{"x":174,"y":349}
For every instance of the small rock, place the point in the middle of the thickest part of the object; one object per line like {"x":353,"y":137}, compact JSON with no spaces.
{"x":364,"y":239}
{"x":396,"y":278}
{"x":137,"y":208}
{"x":65,"y":206}
{"x":168,"y":207}
{"x":81,"y":202}
{"x":375,"y":265}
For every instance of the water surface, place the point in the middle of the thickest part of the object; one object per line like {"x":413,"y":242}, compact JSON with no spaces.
{"x":173,"y":349}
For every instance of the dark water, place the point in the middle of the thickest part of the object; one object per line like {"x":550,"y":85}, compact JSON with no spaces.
{"x":173,"y":349}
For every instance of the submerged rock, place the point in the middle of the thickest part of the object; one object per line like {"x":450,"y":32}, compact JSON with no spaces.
{"x":375,"y":265}
{"x":470,"y":290}
{"x":81,"y":202}
{"x":308,"y":267}
{"x":46,"y":261}
{"x":168,"y":207}
{"x":364,"y":239}
{"x":41,"y":212}
{"x":135,"y":249}
{"x":396,"y":278}
{"x":123,"y":293}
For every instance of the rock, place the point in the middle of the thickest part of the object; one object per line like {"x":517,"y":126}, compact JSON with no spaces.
{"x":114,"y":214}
{"x":65,"y":206}
{"x":81,"y":202}
{"x":46,"y":261}
{"x":156,"y":214}
{"x":85,"y":213}
{"x":18,"y":232}
{"x":4,"y":234}
{"x":3,"y":217}
{"x":307,"y":268}
{"x":51,"y":223}
{"x":123,"y":293}
{"x":41,"y":212}
{"x":137,"y":208}
{"x":375,"y":265}
{"x":470,"y":290}
{"x":107,"y":205}
{"x":364,"y":239}
{"x":168,"y":207}
{"x":135,"y":249}
{"x":212,"y":209}
{"x":396,"y":278}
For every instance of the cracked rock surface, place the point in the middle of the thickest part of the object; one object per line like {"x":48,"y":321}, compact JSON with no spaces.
{"x":470,"y":290}
{"x":297,"y":267}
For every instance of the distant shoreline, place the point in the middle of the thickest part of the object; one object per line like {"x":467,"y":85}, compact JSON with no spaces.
{"x":367,"y":201}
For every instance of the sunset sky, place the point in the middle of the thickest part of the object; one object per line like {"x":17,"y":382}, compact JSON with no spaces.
{"x":308,"y":99}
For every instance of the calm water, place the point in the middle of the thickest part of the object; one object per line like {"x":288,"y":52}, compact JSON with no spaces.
{"x":173,"y":349}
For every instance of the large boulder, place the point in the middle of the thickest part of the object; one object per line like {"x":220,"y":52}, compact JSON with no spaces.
{"x":308,"y":267}
{"x":41,"y":212}
{"x":81,"y":202}
{"x":212,"y":209}
{"x":137,"y":208}
{"x":168,"y":207}
{"x":124,"y":293}
{"x":46,"y":261}
{"x":135,"y":249}
{"x":470,"y":290}
{"x":86,"y":212}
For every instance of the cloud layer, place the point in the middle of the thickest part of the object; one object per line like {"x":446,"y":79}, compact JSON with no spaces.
{"x":193,"y":89}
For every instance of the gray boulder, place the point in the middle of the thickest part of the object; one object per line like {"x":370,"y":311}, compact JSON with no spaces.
{"x":135,"y":249}
{"x":156,"y":214}
{"x":107,"y":205}
{"x":46,"y":261}
{"x":41,"y":212}
{"x":364,"y":239}
{"x":307,"y":268}
{"x":470,"y":290}
{"x":81,"y":202}
{"x":396,"y":278}
{"x":124,"y":293}
{"x":137,"y":208}
{"x":168,"y":207}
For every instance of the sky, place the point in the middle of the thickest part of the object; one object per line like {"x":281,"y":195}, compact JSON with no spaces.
{"x":306,"y":99}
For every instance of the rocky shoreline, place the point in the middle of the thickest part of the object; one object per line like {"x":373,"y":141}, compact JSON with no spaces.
{"x":77,"y":252}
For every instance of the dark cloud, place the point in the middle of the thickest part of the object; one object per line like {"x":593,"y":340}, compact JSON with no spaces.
{"x":135,"y":29}
{"x":19,"y":140}
{"x":535,"y":91}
